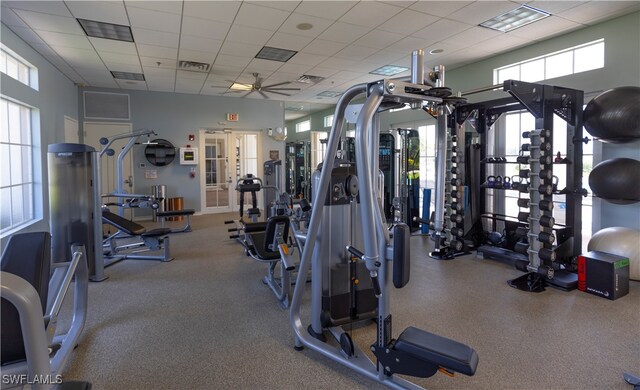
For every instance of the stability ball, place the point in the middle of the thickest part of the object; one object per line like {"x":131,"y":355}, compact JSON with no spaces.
{"x":619,"y":241}
{"x":616,"y":180}
{"x":614,"y":115}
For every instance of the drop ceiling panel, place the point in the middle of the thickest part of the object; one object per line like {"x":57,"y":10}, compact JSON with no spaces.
{"x":10,"y":18}
{"x":344,"y":32}
{"x":186,"y":75}
{"x":554,"y":7}
{"x":196,"y":56}
{"x":307,"y":59}
{"x":117,"y":58}
{"x":322,"y":71}
{"x":157,"y":38}
{"x":338,"y":63}
{"x":439,"y":8}
{"x":132,"y":84}
{"x":116,"y":67}
{"x":281,"y":5}
{"x":110,"y":45}
{"x":45,"y":7}
{"x":200,"y":44}
{"x":44,"y":49}
{"x":503,"y":42}
{"x":544,"y":28}
{"x":289,"y":41}
{"x":102,"y":11}
{"x":204,"y":28}
{"x":599,"y":10}
{"x":386,"y":57}
{"x":225,"y":70}
{"x":161,"y":87}
{"x":466,"y":38}
{"x":249,"y":35}
{"x":355,"y":53}
{"x":30,"y":36}
{"x":319,"y":25}
{"x":240,"y":49}
{"x":213,"y":90}
{"x":65,"y":40}
{"x":154,"y":20}
{"x":221,"y":11}
{"x":157,"y":74}
{"x":481,"y":11}
{"x":370,"y":14}
{"x":407,"y":45}
{"x":407,"y":22}
{"x":224,"y":59}
{"x":104,"y":84}
{"x":323,"y":47}
{"x":260,"y":17}
{"x":320,"y":8}
{"x":46,"y":22}
{"x":157,"y":51}
{"x":378,"y":39}
{"x":295,"y":68}
{"x":172,"y":7}
{"x":440,"y":30}
{"x":78,"y":57}
{"x":266,"y":65}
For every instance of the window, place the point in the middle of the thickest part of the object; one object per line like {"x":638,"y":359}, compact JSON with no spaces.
{"x":303,"y":126}
{"x":573,"y":60}
{"x":16,"y":67}
{"x":16,"y":159}
{"x":328,"y":121}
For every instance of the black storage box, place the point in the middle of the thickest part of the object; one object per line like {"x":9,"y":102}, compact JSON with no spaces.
{"x":603,"y":274}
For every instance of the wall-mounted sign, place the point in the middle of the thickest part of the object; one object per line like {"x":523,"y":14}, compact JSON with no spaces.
{"x":232,"y":117}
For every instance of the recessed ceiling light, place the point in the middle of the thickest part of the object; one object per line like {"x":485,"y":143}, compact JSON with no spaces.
{"x":96,"y":29}
{"x":309,"y":79}
{"x":436,"y":51}
{"x":241,"y":87}
{"x":389,"y":70}
{"x":516,"y":18}
{"x":329,"y":94}
{"x":304,"y":26}
{"x":275,"y":54}
{"x":127,"y":76}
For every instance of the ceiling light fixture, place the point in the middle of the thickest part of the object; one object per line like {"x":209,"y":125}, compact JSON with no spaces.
{"x":241,"y":87}
{"x":304,"y":26}
{"x":436,"y":51}
{"x":127,"y":76}
{"x":275,"y":54}
{"x":97,"y":29}
{"x":309,"y":79}
{"x":389,"y":70}
{"x":516,"y":18}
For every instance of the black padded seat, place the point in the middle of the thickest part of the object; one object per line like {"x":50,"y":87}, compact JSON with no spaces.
{"x":156,"y":232}
{"x":252,"y":227}
{"x":253,"y":211}
{"x":438,"y":350}
{"x":123,"y":224}
{"x":175,"y":213}
{"x":258,"y":246}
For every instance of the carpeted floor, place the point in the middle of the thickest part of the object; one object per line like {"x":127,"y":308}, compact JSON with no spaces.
{"x":206,"y":321}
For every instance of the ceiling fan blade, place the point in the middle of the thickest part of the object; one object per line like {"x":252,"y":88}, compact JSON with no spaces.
{"x":281,"y":89}
{"x":264,"y":95}
{"x":247,"y":94}
{"x":279,"y":93}
{"x":275,"y":85}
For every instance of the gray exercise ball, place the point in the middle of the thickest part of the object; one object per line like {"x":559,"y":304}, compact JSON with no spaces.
{"x":619,"y":241}
{"x":614,"y":115}
{"x":616,"y":180}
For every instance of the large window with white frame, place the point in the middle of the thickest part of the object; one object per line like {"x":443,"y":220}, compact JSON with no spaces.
{"x":16,"y":158}
{"x":18,"y":68}
{"x":303,"y":126}
{"x":577,"y":59}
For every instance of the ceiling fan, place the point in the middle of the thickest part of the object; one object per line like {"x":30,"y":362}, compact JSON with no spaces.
{"x":261,"y":89}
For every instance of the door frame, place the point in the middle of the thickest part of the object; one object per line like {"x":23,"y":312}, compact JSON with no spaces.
{"x":204,"y":133}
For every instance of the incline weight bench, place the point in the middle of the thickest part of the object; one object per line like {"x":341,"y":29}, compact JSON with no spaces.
{"x":163,"y":215}
{"x":154,"y":240}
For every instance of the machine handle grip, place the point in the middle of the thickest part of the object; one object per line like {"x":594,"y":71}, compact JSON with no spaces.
{"x":355,"y":252}
{"x":376,"y":285}
{"x":420,"y":220}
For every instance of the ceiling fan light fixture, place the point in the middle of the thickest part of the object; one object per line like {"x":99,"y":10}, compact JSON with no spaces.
{"x":241,"y":87}
{"x":275,"y":54}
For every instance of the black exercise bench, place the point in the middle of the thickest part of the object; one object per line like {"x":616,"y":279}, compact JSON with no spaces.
{"x":163,"y":215}
{"x":154,"y":240}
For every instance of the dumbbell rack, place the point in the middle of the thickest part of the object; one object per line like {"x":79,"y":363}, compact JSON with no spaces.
{"x":454,"y":194}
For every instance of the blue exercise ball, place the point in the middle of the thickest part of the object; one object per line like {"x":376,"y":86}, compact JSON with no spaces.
{"x":616,"y":180}
{"x":614,"y":115}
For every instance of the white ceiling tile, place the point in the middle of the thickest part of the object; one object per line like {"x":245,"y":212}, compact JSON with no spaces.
{"x":307,"y":59}
{"x":125,"y":68}
{"x":370,"y":14}
{"x":132,"y":84}
{"x":355,"y":53}
{"x":407,"y":22}
{"x":295,"y":68}
{"x":503,"y":42}
{"x":345,"y":75}
{"x":66,"y":40}
{"x":221,"y":11}
{"x":152,"y":63}
{"x":172,"y":7}
{"x":319,"y":25}
{"x":157,"y":51}
{"x":117,"y":58}
{"x":10,"y":18}
{"x":481,"y":11}
{"x":333,"y":10}
{"x":264,"y":65}
{"x":240,"y":49}
{"x":225,"y":70}
{"x":599,"y":10}
{"x":120,"y":47}
{"x":30,"y":36}
{"x":151,"y":72}
{"x":260,"y":17}
{"x":213,"y":90}
{"x":553,"y":7}
{"x":468,"y":38}
{"x":200,"y":44}
{"x":406,"y":45}
{"x":78,"y":57}
{"x":224,"y":59}
{"x":288,"y":41}
{"x":385,"y":57}
{"x":103,"y":11}
{"x":165,"y":87}
{"x":196,"y":56}
{"x":338,"y":63}
{"x":288,"y":5}
{"x":324,"y":48}
{"x":61,"y":24}
{"x":439,"y":8}
{"x":344,"y":32}
{"x":45,"y":7}
{"x":154,"y":20}
{"x":103,"y":84}
{"x":157,"y":38}
{"x":204,"y":28}
{"x":545,"y":28}
{"x":44,"y":49}
{"x":250,"y":35}
{"x":378,"y":39}
{"x":442,"y":29}
{"x":322,"y":72}
{"x":187,"y":75}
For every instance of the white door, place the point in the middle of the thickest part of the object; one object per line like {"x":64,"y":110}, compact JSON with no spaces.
{"x":247,"y":154}
{"x":93,"y":131}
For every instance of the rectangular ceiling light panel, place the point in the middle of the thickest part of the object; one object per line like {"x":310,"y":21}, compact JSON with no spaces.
{"x":389,"y":70}
{"x":241,"y":87}
{"x":127,"y":76}
{"x":516,"y":18}
{"x":97,"y":29}
{"x":275,"y":54}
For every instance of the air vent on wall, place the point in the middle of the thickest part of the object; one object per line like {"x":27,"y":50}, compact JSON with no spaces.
{"x":309,"y":79}
{"x":105,"y":105}
{"x":193,"y":66}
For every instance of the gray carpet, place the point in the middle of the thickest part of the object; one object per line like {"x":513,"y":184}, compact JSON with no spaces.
{"x":206,"y":321}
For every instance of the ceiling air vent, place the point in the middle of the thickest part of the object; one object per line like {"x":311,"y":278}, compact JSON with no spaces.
{"x":309,"y":79}
{"x":193,"y":66}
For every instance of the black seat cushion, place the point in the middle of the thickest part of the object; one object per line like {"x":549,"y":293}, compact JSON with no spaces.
{"x":439,"y":350}
{"x":123,"y":224}
{"x":156,"y":232}
{"x":253,"y":211}
{"x":27,"y":255}
{"x":256,"y":243}
{"x":175,"y":213}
